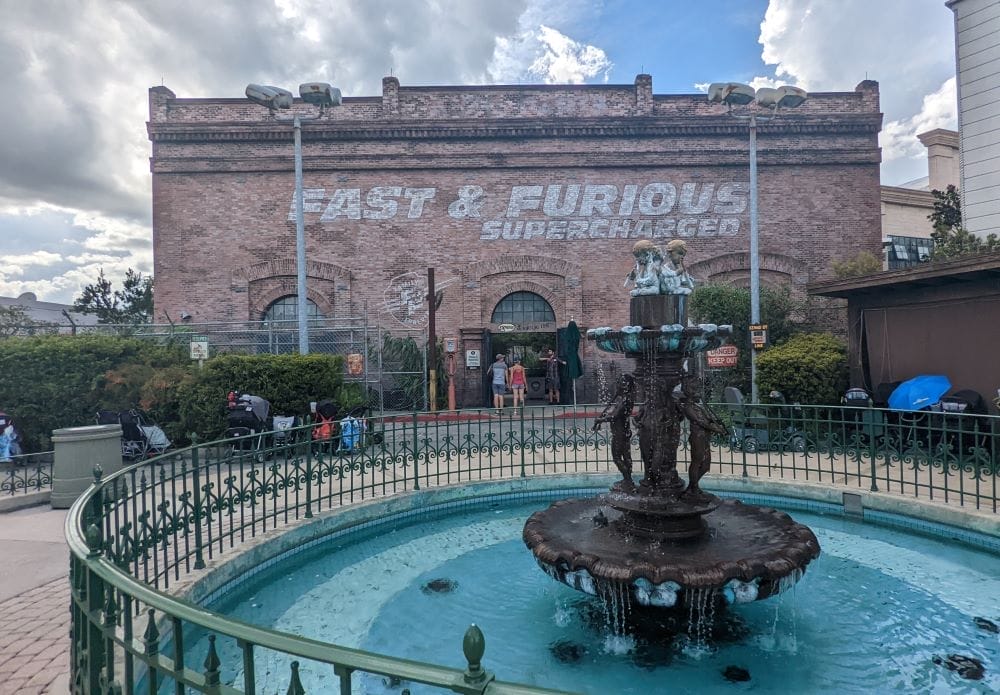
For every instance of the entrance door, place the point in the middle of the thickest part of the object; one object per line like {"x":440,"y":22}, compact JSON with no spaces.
{"x":529,"y":347}
{"x":527,"y":311}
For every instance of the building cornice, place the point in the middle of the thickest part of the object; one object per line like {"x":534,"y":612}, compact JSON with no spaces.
{"x":637,"y":127}
{"x":907,"y":196}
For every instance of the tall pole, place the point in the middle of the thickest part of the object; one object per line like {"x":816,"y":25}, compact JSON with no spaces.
{"x":300,"y":244}
{"x":754,"y":255}
{"x":431,"y":342}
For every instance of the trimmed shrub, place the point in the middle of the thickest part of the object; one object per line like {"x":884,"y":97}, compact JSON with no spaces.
{"x":288,"y":382}
{"x":810,"y":368}
{"x":49,"y":382}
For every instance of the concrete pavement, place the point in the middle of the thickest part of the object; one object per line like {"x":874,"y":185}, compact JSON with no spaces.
{"x":34,"y":602}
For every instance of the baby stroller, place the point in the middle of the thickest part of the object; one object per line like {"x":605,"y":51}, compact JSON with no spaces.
{"x":141,"y":437}
{"x":283,"y":430}
{"x":326,"y":427}
{"x":246,"y":422}
{"x":756,"y":429}
{"x":959,"y":430}
{"x":862,"y":422}
{"x":9,"y":439}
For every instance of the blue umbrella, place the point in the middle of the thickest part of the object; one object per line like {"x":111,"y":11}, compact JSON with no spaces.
{"x":919,"y":392}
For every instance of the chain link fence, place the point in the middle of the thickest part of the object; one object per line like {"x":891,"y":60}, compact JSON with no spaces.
{"x":390,"y":365}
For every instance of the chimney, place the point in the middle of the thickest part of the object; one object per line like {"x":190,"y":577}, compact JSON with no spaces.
{"x":390,"y":97}
{"x":942,"y":158}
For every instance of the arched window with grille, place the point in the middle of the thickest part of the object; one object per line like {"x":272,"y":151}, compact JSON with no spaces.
{"x":287,"y":309}
{"x":521,"y":308}
{"x":280,"y":332}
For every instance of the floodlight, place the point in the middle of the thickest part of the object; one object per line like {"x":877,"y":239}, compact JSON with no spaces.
{"x":320,"y":94}
{"x":791,"y":97}
{"x":271,"y":97}
{"x":738,"y":94}
{"x":716,"y":92}
{"x":768,"y":97}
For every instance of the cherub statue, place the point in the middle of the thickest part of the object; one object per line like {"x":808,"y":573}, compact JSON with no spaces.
{"x":647,"y":271}
{"x":702,"y":422}
{"x":617,"y":412}
{"x":676,"y":250}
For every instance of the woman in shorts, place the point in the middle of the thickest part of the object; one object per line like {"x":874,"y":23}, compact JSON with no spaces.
{"x":518,"y":381}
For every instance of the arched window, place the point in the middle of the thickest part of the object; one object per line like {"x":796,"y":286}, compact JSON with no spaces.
{"x":523,"y":307}
{"x":287,"y":309}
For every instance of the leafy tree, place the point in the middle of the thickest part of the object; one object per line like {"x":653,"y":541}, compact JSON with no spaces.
{"x":133,"y":304}
{"x":865,"y":263}
{"x":951,"y":239}
{"x":728,"y":304}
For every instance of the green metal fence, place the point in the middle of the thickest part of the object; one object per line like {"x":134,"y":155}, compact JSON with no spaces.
{"x":135,"y":535}
{"x":26,"y":473}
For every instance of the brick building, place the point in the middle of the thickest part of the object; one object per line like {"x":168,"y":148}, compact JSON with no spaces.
{"x":525,"y":199}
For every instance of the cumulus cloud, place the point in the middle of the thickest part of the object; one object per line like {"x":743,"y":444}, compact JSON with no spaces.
{"x":74,"y":172}
{"x":939,"y":110}
{"x":906,"y":45}
{"x":536,"y":52}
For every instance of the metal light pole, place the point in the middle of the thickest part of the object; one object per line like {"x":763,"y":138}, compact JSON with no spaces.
{"x":274,"y":98}
{"x":754,"y":256}
{"x":762,"y":104}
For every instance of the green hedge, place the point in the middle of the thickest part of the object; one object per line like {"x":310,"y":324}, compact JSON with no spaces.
{"x":50,"y":382}
{"x":288,"y":382}
{"x":808,"y":368}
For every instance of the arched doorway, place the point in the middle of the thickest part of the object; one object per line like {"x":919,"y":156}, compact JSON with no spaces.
{"x":525,"y":326}
{"x":281,"y":319}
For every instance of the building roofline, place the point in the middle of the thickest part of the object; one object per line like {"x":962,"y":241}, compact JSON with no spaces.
{"x":933,"y":273}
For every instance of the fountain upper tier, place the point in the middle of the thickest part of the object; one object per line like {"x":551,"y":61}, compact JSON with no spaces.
{"x":658,"y":329}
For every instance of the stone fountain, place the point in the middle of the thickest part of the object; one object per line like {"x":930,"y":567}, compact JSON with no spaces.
{"x":663,"y":541}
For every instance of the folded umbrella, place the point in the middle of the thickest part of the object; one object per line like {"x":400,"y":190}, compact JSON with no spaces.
{"x":919,"y":392}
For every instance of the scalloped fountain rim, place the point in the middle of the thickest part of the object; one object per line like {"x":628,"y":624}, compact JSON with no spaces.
{"x":670,"y":338}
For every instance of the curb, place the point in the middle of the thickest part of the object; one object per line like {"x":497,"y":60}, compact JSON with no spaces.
{"x":29,"y":499}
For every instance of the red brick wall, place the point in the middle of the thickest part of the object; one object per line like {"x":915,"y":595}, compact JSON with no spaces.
{"x":224,"y":242}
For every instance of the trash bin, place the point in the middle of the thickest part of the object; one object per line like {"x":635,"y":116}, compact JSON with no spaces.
{"x":77,"y":451}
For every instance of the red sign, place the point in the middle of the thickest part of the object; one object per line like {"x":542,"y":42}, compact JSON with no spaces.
{"x":724,"y":356}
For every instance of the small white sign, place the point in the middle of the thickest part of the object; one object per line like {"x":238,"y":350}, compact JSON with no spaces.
{"x":472,"y":359}
{"x":506,"y":328}
{"x":199,"y":347}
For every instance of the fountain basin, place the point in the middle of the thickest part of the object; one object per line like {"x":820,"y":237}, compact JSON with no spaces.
{"x":746,"y":553}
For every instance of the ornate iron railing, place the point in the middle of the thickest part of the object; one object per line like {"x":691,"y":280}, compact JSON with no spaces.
{"x":26,"y":473}
{"x":136,"y":534}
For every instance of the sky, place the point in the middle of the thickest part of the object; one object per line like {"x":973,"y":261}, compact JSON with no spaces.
{"x":74,"y":154}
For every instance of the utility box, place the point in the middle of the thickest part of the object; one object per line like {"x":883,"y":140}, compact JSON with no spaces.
{"x":77,"y":451}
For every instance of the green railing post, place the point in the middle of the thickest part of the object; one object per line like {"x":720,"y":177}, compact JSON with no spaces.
{"x":522,"y":440}
{"x":199,"y":559}
{"x":416,"y":468}
{"x":212,"y":665}
{"x":871,"y":450}
{"x":309,"y":457}
{"x":344,"y":674}
{"x":476,"y":678}
{"x":295,"y":685}
{"x":95,"y":605}
{"x":151,"y":643}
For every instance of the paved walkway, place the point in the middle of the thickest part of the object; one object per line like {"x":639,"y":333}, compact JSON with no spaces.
{"x":34,"y":602}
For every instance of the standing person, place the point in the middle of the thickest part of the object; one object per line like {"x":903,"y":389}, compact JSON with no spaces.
{"x":499,"y":381}
{"x":552,"y":375}
{"x":518,"y":381}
